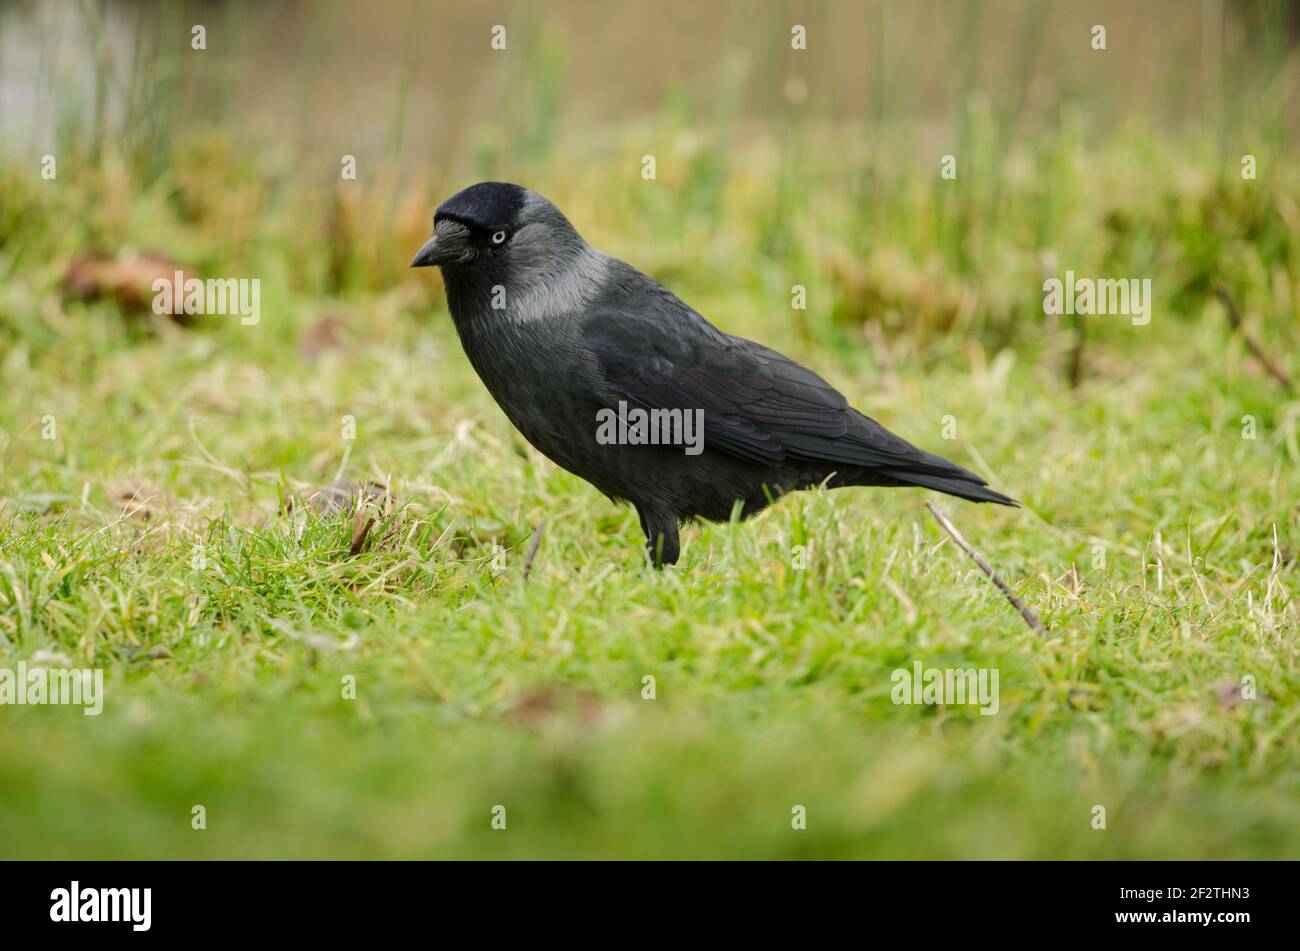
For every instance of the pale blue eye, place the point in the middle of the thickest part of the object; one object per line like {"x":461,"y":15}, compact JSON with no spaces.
{"x":499,"y":237}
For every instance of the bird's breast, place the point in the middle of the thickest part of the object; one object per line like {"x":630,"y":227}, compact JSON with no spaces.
{"x":539,"y":380}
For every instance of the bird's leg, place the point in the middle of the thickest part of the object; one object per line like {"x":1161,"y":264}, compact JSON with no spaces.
{"x":663,"y":546}
{"x":661,"y":540}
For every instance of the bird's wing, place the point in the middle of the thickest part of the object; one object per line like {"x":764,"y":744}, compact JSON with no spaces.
{"x":759,"y":405}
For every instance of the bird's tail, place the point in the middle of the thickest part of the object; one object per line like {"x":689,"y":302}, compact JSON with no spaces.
{"x":887,"y":459}
{"x":965,"y":486}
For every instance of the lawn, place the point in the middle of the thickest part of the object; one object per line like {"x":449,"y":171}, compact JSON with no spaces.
{"x":404,"y":676}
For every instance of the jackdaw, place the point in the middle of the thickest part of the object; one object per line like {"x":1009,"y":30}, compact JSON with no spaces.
{"x":605,"y":372}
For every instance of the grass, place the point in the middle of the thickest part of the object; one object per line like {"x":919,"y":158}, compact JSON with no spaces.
{"x":319,"y":703}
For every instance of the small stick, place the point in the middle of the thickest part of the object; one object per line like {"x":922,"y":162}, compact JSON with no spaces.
{"x":532,"y":551}
{"x":1030,"y":617}
{"x":1234,"y":318}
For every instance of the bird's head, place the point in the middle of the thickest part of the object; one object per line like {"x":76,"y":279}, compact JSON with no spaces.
{"x":495,"y":230}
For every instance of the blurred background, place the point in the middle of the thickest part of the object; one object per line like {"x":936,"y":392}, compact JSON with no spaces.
{"x":411,"y":79}
{"x":160,"y":503}
{"x":817,"y":166}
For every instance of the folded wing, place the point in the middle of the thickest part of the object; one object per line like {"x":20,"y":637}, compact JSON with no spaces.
{"x":758,"y":404}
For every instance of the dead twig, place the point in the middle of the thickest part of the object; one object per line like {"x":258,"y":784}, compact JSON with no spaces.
{"x":1258,"y":352}
{"x":1030,"y":617}
{"x":532,"y":550}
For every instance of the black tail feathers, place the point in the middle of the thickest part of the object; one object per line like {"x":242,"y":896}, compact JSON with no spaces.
{"x":973,"y":488}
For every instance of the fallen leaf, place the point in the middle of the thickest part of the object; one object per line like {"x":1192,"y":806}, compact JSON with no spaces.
{"x":543,"y":705}
{"x":324,"y":335}
{"x":127,"y":280}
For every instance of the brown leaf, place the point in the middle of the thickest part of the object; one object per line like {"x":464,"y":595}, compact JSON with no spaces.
{"x":324,"y":335}
{"x":1229,"y":693}
{"x":542,"y":705}
{"x":128,"y":280}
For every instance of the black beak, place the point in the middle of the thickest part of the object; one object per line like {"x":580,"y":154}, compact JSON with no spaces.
{"x":429,"y":255}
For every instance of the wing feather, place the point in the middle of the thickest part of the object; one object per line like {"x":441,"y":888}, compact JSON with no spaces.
{"x":758,"y":404}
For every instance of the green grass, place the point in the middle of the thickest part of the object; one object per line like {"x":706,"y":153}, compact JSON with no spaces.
{"x":166,"y":537}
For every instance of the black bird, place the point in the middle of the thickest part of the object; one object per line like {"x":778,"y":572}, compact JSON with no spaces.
{"x":575,"y":345}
